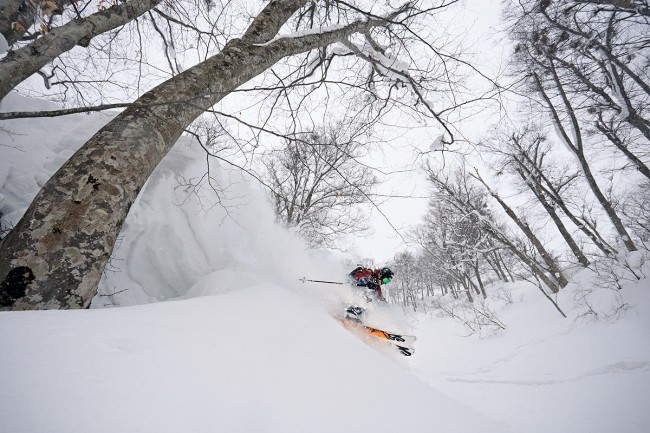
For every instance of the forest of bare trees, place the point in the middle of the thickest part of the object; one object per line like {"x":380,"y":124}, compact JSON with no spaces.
{"x":317,"y":186}
{"x":564,"y":184}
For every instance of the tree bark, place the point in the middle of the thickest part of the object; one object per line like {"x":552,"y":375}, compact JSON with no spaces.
{"x":17,"y":16}
{"x":55,"y":255}
{"x":25,"y":61}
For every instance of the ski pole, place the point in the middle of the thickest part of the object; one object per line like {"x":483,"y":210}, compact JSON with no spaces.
{"x":303,"y":279}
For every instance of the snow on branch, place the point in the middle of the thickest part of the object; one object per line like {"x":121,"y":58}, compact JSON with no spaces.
{"x":398,"y":72}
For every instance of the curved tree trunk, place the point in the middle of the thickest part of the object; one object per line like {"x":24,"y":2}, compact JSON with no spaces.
{"x":55,"y":255}
{"x":25,"y":61}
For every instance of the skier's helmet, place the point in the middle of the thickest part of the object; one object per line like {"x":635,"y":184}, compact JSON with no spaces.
{"x":385,"y":275}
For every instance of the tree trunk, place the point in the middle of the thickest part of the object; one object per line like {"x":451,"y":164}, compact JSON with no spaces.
{"x":550,"y":210}
{"x":552,"y":301}
{"x":578,"y":150}
{"x":17,"y":16}
{"x":25,"y":61}
{"x":496,"y":266}
{"x":468,"y":290}
{"x":55,"y":255}
{"x":552,"y":284}
{"x":480,"y":281}
{"x":505,"y":266}
{"x":546,"y":256}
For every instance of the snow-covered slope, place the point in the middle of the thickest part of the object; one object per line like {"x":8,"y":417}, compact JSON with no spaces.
{"x":242,"y":346}
{"x":546,"y":373}
{"x":251,"y":360}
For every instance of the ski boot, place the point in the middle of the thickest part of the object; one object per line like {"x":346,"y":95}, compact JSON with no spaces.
{"x":354,"y":313}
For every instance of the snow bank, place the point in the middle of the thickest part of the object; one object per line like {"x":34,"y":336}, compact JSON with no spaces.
{"x":250,"y":360}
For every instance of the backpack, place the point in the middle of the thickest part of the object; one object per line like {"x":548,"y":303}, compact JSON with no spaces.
{"x":361,"y":275}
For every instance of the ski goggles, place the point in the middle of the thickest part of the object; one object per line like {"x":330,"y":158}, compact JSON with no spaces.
{"x":385,"y":280}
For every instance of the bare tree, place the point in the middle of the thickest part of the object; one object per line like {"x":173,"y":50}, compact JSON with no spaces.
{"x":320,"y":184}
{"x":549,"y":36}
{"x":462,"y":194}
{"x":547,"y":256}
{"x":526,"y":155}
{"x":408,"y":283}
{"x":113,"y":51}
{"x":55,"y":255}
{"x":636,"y":209}
{"x":29,"y":59}
{"x":454,"y":244}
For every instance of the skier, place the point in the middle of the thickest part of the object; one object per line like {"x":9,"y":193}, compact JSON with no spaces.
{"x":372,"y":279}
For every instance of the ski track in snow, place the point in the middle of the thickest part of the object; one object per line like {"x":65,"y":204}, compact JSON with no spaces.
{"x":622,"y":367}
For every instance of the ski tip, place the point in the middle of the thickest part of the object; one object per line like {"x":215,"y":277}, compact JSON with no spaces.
{"x":406,"y":351}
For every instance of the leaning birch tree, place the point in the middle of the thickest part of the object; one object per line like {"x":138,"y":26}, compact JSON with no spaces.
{"x":55,"y":255}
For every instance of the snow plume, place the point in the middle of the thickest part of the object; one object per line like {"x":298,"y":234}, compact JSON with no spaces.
{"x":191,"y":223}
{"x":182,"y":219}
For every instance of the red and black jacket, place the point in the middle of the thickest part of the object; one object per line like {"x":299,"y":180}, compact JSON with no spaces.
{"x":368,"y":278}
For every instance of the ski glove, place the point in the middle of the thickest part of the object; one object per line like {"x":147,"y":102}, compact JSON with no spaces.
{"x":372,"y":286}
{"x":364,"y":281}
